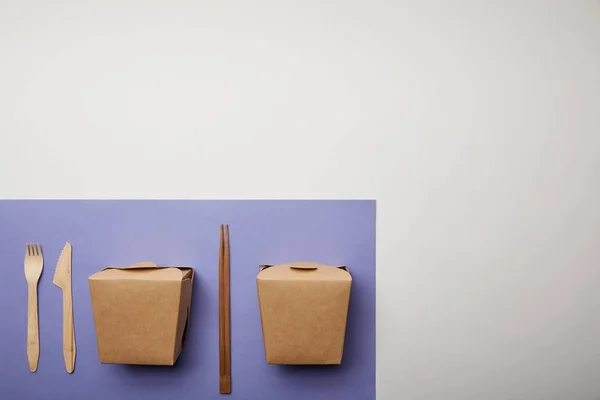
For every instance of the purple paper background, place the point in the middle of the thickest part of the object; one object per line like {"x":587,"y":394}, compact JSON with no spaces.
{"x":173,"y":232}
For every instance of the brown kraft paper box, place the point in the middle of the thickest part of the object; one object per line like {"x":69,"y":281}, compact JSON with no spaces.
{"x":141,"y":313}
{"x":303,"y":308}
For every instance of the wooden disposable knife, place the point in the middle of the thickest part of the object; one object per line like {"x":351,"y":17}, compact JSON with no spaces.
{"x":62,"y":279}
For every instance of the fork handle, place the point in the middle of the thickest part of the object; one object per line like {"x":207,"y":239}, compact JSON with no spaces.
{"x":33,"y":339}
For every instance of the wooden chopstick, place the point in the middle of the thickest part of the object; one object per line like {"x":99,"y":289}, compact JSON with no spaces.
{"x":224,"y":315}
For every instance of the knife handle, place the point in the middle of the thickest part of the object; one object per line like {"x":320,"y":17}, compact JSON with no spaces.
{"x":68,"y":331}
{"x":33,"y":334}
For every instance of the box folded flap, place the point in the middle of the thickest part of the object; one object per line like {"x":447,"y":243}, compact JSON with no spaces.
{"x":188,"y":273}
{"x":304,"y":271}
{"x":145,"y":271}
{"x":302,"y":265}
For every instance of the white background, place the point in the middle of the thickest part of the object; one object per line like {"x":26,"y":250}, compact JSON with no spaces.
{"x":475,"y":124}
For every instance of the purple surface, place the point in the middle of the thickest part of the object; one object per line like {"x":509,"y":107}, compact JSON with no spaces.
{"x":183,"y":233}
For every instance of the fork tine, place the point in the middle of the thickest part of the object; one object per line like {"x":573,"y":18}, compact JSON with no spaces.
{"x":26,"y":249}
{"x":39,"y":249}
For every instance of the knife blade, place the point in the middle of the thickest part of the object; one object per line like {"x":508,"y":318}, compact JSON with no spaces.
{"x":62,"y":279}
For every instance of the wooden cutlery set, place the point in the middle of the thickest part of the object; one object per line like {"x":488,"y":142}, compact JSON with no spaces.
{"x":34,"y":263}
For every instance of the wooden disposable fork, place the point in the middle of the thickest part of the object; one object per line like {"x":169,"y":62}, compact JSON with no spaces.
{"x":34,"y":262}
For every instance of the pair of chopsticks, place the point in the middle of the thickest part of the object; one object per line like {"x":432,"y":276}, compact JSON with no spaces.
{"x":224,"y":314}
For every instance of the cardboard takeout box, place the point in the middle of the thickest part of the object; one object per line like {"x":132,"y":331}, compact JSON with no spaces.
{"x":141,"y":313}
{"x":303,"y":308}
